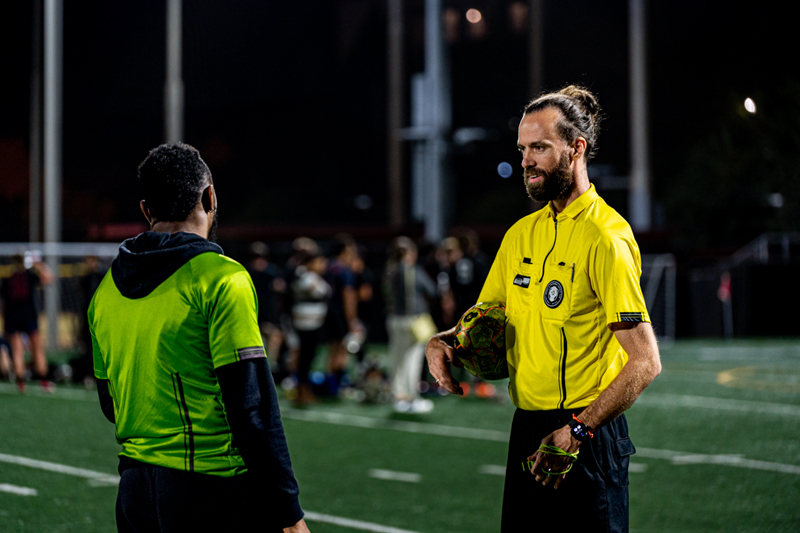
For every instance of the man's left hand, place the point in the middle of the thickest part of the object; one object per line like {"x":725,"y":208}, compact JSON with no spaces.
{"x":544,"y":462}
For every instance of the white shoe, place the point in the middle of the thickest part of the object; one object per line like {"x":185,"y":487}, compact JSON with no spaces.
{"x":421,"y":406}
{"x":402,"y":406}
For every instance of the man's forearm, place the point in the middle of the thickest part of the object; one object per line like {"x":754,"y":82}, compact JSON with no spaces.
{"x":643,"y":366}
{"x":251,"y":404}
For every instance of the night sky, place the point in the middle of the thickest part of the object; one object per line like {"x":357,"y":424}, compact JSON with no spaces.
{"x":287,"y":100}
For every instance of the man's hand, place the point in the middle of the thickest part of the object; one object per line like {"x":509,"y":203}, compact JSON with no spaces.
{"x":299,"y":527}
{"x":546,"y":462}
{"x":439,"y":353}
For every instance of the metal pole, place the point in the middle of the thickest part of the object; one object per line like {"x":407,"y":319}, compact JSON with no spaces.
{"x":395,"y":118}
{"x":173,"y":89}
{"x":53,"y":42}
{"x":439,"y":120}
{"x":35,"y":201}
{"x":639,"y":190}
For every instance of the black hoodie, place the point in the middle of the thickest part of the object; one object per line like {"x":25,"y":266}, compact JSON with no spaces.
{"x":248,"y":390}
{"x":147,"y":260}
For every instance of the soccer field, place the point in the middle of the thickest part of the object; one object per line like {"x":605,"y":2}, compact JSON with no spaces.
{"x":717,"y":437}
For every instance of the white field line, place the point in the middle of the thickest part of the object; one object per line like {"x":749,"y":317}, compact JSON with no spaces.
{"x":735,"y":460}
{"x":493,"y":470}
{"x":702,"y":402}
{"x":648,"y":399}
{"x":394,"y":425}
{"x":391,"y":475}
{"x":98,"y":478}
{"x":353,"y":524}
{"x":20,"y":491}
{"x":677,"y":458}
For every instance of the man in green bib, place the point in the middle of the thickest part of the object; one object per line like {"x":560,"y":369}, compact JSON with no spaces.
{"x":182,"y":370}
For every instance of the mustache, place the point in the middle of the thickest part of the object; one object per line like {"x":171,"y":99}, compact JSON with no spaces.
{"x":533,"y":172}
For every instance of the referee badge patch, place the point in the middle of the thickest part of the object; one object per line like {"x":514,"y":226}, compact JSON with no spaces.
{"x":553,"y":294}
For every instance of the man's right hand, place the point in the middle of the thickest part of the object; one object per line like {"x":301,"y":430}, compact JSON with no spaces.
{"x":299,"y":527}
{"x":439,"y":353}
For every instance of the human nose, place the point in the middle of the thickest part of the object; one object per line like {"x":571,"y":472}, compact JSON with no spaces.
{"x":527,"y":159}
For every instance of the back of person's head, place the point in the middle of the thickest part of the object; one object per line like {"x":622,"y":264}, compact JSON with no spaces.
{"x":580,"y":114}
{"x":259,"y":250}
{"x":305,"y":244}
{"x":400,"y":248}
{"x":173,"y":179}
{"x":342,"y":243}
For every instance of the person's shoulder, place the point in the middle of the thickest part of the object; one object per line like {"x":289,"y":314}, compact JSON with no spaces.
{"x":213,"y":266}
{"x":604,"y":222}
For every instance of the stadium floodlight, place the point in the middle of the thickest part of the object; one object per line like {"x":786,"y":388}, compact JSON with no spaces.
{"x":750,"y":106}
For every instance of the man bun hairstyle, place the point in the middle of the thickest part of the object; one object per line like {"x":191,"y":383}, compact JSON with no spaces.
{"x":172,"y":179}
{"x":580,"y":115}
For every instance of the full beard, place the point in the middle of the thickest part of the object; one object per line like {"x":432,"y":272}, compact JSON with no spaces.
{"x":556,"y":184}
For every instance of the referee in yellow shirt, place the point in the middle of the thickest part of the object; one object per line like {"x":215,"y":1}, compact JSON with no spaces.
{"x":579,"y":342}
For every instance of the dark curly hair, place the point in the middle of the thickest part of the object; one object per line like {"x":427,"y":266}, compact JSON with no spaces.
{"x":580,"y":114}
{"x":172,"y":179}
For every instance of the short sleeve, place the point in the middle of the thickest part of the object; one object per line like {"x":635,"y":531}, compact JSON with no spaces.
{"x":615,"y":272}
{"x":494,"y":288}
{"x":97,"y":355}
{"x":232,"y":312}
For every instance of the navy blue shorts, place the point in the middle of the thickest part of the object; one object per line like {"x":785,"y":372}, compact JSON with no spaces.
{"x":157,"y":499}
{"x":21,"y":324}
{"x":593,"y":496}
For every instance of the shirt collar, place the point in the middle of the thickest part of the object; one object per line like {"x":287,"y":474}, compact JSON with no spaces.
{"x":578,"y":205}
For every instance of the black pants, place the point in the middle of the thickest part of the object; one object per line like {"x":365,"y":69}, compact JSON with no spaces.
{"x":594,"y":495}
{"x":156,"y":499}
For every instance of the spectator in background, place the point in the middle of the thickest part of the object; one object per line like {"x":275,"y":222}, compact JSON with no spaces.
{"x":365,"y":282}
{"x":270,"y":287}
{"x":289,"y":354}
{"x":310,"y":294}
{"x":83,"y":366}
{"x":21,"y":316}
{"x":471,"y":246}
{"x":408,"y":288}
{"x":342,"y":316}
{"x":5,"y":359}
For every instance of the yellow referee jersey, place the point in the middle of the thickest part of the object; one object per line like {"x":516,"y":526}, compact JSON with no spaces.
{"x":564,"y":278}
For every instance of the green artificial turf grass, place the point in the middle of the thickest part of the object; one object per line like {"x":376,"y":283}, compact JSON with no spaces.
{"x":332,"y":462}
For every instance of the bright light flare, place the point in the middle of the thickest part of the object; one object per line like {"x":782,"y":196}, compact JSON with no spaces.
{"x":750,"y":105}
{"x":474,"y":16}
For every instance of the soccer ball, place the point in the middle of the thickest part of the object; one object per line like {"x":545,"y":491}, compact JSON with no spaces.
{"x":481,"y":340}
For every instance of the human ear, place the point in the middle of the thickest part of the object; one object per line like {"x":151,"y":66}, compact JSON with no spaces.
{"x":146,"y":213}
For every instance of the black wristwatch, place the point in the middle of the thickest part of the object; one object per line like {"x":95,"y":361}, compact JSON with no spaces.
{"x":579,"y":430}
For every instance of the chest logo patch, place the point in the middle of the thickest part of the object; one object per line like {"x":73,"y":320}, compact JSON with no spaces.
{"x":553,"y":294}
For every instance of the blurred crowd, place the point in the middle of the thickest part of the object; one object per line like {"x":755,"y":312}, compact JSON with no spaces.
{"x":326,"y":295}
{"x":321,"y":311}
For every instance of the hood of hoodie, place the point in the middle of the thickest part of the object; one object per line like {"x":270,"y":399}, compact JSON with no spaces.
{"x":147,"y":260}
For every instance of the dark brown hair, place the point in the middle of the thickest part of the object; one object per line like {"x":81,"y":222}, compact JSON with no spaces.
{"x":580,"y":115}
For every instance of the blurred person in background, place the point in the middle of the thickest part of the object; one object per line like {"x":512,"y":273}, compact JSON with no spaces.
{"x":5,"y":359}
{"x":310,"y":295}
{"x":93,"y":273}
{"x":407,"y":291}
{"x":365,"y":288}
{"x":270,"y":288}
{"x":289,"y":352}
{"x":21,"y":317}
{"x":342,"y":316}
{"x":580,"y":346}
{"x":182,"y":371}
